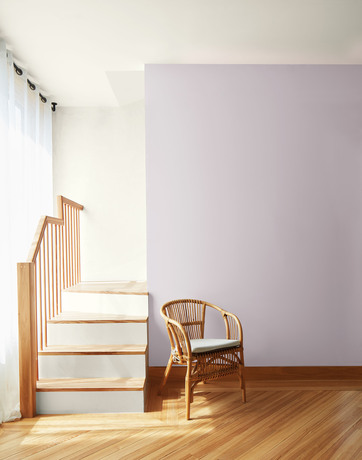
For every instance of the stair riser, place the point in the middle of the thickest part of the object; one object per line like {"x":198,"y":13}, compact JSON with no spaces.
{"x":89,"y":402}
{"x":91,"y":366}
{"x":97,"y":333}
{"x":117,"y":304}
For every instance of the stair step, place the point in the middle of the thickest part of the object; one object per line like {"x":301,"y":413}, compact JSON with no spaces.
{"x":129,"y":298}
{"x":91,"y":384}
{"x":92,"y":361}
{"x":111,"y":287}
{"x":93,"y":350}
{"x":75,"y":328}
{"x":71,"y":317}
{"x":90,"y":395}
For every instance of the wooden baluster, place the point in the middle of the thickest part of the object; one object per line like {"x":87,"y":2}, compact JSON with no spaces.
{"x":62,"y":254}
{"x":36,"y":296}
{"x":40,"y":303}
{"x":78,"y":240}
{"x":66,"y":245}
{"x":48,"y":278}
{"x":72,"y":243}
{"x":52,"y":310}
{"x":68,"y":248}
{"x":75,"y":246}
{"x":60,"y":267}
{"x":71,"y":246}
{"x":45,"y":294}
{"x":56,"y":269}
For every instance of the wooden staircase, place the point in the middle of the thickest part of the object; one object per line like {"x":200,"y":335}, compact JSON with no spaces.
{"x":96,"y":361}
{"x":83,"y":346}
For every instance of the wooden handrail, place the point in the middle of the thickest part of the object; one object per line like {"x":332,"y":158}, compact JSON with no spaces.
{"x":44,"y":220}
{"x":52,"y":265}
{"x":61,"y":199}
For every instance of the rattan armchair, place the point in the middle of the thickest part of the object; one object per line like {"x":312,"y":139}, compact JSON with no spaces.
{"x":206,"y":359}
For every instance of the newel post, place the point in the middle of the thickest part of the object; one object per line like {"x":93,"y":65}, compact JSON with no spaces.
{"x":27,"y":338}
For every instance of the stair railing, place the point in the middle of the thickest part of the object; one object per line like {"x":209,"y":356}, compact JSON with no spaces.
{"x":53,"y":264}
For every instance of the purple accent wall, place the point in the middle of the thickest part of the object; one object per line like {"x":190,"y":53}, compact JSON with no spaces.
{"x":254,"y":203}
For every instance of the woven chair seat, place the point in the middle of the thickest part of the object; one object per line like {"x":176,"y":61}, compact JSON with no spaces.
{"x":206,"y":345}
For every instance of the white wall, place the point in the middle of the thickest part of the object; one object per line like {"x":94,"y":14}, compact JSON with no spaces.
{"x":254,"y":202}
{"x":99,"y":161}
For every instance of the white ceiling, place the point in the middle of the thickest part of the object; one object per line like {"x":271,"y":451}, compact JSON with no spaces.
{"x":92,"y":52}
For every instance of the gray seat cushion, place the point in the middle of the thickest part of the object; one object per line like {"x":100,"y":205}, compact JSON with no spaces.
{"x":204,"y":345}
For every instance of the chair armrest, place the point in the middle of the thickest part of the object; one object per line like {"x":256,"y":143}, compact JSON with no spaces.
{"x":233,"y":327}
{"x":180,"y":342}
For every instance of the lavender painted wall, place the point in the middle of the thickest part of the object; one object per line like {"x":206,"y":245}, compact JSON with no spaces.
{"x":254,"y":202}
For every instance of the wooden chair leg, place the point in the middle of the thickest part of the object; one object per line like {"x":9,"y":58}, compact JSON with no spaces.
{"x":188,"y":395}
{"x":166,"y":374}
{"x":192,"y":387}
{"x":242,"y":382}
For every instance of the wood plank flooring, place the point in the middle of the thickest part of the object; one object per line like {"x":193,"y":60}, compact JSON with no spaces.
{"x":309,"y":420}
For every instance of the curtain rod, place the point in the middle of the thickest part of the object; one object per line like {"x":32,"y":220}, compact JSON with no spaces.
{"x":32,"y":86}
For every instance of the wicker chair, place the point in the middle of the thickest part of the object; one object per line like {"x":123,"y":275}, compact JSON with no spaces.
{"x":206,"y":359}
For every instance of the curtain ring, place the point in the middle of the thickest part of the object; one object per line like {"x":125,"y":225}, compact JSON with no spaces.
{"x":18,"y":69}
{"x":31,"y":85}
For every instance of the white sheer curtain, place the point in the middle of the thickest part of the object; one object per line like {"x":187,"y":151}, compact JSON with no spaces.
{"x":26,"y":194}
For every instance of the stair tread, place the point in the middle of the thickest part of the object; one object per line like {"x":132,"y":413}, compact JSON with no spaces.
{"x":91,"y":384}
{"x":110,"y":287}
{"x":94,"y":350}
{"x":79,"y":317}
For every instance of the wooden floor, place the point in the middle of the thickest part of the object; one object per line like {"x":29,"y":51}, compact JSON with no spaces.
{"x":281,"y":420}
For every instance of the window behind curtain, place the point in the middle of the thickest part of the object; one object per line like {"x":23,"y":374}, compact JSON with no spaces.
{"x":26,"y":195}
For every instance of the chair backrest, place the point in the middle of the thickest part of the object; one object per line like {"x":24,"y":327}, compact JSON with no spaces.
{"x":190,"y":313}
